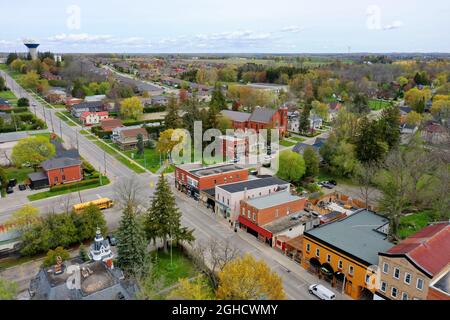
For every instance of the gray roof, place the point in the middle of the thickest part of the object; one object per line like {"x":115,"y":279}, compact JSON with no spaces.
{"x":37,"y":176}
{"x":63,"y":162}
{"x":88,"y":105}
{"x":214,"y":170}
{"x":263,"y":115}
{"x":356,"y":235}
{"x":272,"y":200}
{"x":252,"y":184}
{"x":290,"y":221}
{"x":236,"y":115}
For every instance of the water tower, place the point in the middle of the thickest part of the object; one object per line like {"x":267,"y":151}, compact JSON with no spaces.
{"x":32,"y":47}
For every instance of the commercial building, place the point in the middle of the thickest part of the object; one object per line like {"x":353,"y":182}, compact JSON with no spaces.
{"x":229,"y":196}
{"x":342,"y":252}
{"x":410,"y":268}
{"x":194,"y":177}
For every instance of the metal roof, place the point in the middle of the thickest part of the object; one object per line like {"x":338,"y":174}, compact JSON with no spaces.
{"x":236,"y":115}
{"x":272,"y":200}
{"x":252,"y":184}
{"x":356,"y":235}
{"x":57,"y":163}
{"x":263,"y":115}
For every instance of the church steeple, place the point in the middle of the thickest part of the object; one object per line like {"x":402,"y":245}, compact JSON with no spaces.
{"x":100,"y":250}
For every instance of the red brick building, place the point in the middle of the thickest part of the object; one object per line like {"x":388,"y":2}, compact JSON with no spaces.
{"x":192,"y":178}
{"x":256,"y":213}
{"x":260,"y":118}
{"x":63,"y":170}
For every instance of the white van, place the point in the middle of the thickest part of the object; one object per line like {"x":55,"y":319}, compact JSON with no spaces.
{"x":321,"y":292}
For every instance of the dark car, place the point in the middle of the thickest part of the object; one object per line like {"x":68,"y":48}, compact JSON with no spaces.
{"x":9,"y":190}
{"x":333,"y":182}
{"x":327,"y":185}
{"x":22,"y":187}
{"x":12,"y":183}
{"x":112,"y":240}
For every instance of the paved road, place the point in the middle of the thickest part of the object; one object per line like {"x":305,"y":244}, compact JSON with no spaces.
{"x":205,"y":224}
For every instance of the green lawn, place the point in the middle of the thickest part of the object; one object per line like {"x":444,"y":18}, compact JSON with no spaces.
{"x":379,"y":104}
{"x":48,"y":194}
{"x":10,"y":262}
{"x":62,"y":117}
{"x":20,"y":174}
{"x":123,"y":160}
{"x":84,"y":132}
{"x":298,"y":139}
{"x":9,"y":95}
{"x":287,"y":143}
{"x":59,"y":106}
{"x":413,"y":223}
{"x":324,"y":175}
{"x":149,"y":160}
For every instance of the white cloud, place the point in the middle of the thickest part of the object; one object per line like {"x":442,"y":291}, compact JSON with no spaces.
{"x":395,"y":25}
{"x":292,"y":29}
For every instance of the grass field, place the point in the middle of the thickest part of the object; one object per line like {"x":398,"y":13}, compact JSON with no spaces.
{"x":379,"y":104}
{"x":149,"y":160}
{"x":298,"y":139}
{"x":62,"y":117}
{"x":287,"y":143}
{"x":123,"y":160}
{"x":413,"y":223}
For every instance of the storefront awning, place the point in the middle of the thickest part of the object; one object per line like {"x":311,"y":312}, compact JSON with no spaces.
{"x":256,"y":228}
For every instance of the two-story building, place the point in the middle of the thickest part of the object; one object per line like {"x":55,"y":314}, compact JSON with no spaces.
{"x":126,"y":138}
{"x":91,"y":118}
{"x":345,"y":252}
{"x":229,"y":196}
{"x":257,"y":213}
{"x":78,"y":109}
{"x":408,"y":269}
{"x":194,"y":177}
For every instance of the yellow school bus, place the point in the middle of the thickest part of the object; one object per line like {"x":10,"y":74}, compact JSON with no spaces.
{"x":103,"y":203}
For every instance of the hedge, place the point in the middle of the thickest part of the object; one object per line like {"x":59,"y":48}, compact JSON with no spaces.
{"x":129,"y":123}
{"x":74,"y":185}
{"x":17,"y":110}
{"x":154,"y":109}
{"x":99,"y":132}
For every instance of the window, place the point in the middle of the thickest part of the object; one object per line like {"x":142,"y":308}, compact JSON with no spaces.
{"x":317,"y":252}
{"x":228,"y":201}
{"x":328,"y":258}
{"x":340,"y":264}
{"x":288,"y":211}
{"x":225,"y":179}
{"x":419,"y":284}
{"x":249,"y":214}
{"x":276,"y":213}
{"x":367,"y":280}
{"x":397,"y":273}
{"x":308,"y":247}
{"x":351,"y":270}
{"x":407,"y":278}
{"x":254,"y":216}
{"x":404,"y":296}
{"x":56,"y":179}
{"x":383,"y":286}
{"x":243,"y":212}
{"x":394,"y":292}
{"x":63,"y":178}
{"x":215,"y":181}
{"x":385,"y":268}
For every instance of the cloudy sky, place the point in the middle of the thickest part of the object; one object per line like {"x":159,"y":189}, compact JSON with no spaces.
{"x":236,"y":26}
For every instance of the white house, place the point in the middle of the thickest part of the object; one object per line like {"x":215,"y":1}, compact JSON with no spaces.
{"x":91,"y":118}
{"x":315,"y":122}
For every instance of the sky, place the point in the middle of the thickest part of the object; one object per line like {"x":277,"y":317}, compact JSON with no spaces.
{"x":231,"y":26}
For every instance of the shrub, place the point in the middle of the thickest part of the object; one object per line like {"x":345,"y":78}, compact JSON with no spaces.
{"x":312,"y":187}
{"x":50,"y":259}
{"x":154,"y":109}
{"x":74,"y":185}
{"x":83,"y":253}
{"x":23,"y":102}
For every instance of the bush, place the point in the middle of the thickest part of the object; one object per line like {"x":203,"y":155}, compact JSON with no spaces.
{"x":83,"y":253}
{"x":154,"y":109}
{"x":50,"y":259}
{"x":74,"y":185}
{"x":23,"y":102}
{"x":312,"y":187}
{"x":99,"y":132}
{"x":17,"y":110}
{"x":58,"y":83}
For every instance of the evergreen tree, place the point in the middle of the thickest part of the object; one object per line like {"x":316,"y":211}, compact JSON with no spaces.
{"x":11,"y":57}
{"x":212,"y":118}
{"x":304,"y":119}
{"x":360,"y":104}
{"x":192,"y":114}
{"x":312,"y":162}
{"x":131,"y":244}
{"x":218,"y":100}
{"x":173,"y":119}
{"x":140,"y":144}
{"x":369,"y":146}
{"x":162,"y":220}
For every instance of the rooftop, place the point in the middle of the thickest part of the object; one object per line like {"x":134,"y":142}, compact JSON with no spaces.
{"x":62,"y":162}
{"x":289,"y":221}
{"x":272,"y":200}
{"x":429,"y":248}
{"x":356,"y":235}
{"x":442,"y":283}
{"x":252,"y":184}
{"x":236,"y":115}
{"x":213,"y":170}
{"x":263,"y":115}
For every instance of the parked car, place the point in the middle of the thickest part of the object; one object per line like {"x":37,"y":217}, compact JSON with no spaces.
{"x":22,"y":187}
{"x":253,"y":172}
{"x":267,"y":161}
{"x":321,"y":292}
{"x":12,"y":183}
{"x":9,"y":190}
{"x":333,"y":182}
{"x":112,"y":240}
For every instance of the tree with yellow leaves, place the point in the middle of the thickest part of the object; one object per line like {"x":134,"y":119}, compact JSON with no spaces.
{"x":197,"y":289}
{"x":25,"y":216}
{"x":165,"y":143}
{"x":417,"y":99}
{"x":248,"y":279}
{"x":131,"y":108}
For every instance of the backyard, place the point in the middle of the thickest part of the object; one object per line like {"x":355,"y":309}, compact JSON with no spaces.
{"x":378,"y":104}
{"x":413,"y":223}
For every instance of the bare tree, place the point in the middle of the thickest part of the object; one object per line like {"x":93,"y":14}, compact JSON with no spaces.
{"x":364,"y":177}
{"x":128,"y":192}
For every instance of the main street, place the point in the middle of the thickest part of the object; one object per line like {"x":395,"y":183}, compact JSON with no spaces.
{"x":206,"y":225}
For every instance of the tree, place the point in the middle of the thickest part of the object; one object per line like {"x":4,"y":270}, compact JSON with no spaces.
{"x":131,"y":244}
{"x":31,"y":80}
{"x":224,"y":123}
{"x":218,"y":101}
{"x":369,"y":146}
{"x":23,"y":102}
{"x":162,"y":220}
{"x":173,"y":119}
{"x":304,"y":124}
{"x":88,"y":221}
{"x":52,"y":256}
{"x":165,"y":143}
{"x":25,"y":216}
{"x":2,"y":84}
{"x":11,"y":57}
{"x":312,"y":162}
{"x":389,"y":126}
{"x":197,"y":289}
{"x":248,"y":279}
{"x":3,"y":181}
{"x":291,"y":166}
{"x":192,"y":114}
{"x":8,"y":289}
{"x":32,"y":151}
{"x":417,"y":99}
{"x":360,"y":104}
{"x":414,"y":118}
{"x":441,"y":107}
{"x":18,"y":65}
{"x":320,"y":109}
{"x":140,"y":144}
{"x":82,"y":252}
{"x":131,"y":108}
{"x":364,"y":176}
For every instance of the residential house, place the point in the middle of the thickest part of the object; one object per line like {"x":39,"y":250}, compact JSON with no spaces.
{"x":95,"y":98}
{"x":301,"y":147}
{"x":127,"y":137}
{"x":256,"y":213}
{"x":260,"y":118}
{"x":109,"y":124}
{"x":408,"y":269}
{"x":229,"y":196}
{"x":72,"y":101}
{"x":91,"y":118}
{"x":95,"y":106}
{"x":64,"y":168}
{"x":343,"y":252}
{"x":194,"y":177}
{"x":440,"y":287}
{"x":435,"y":133}
{"x":160,"y":100}
{"x":315,"y":122}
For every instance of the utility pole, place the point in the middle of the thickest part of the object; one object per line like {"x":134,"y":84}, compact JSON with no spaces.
{"x":100,"y":170}
{"x":45,"y":116}
{"x":14,"y":119}
{"x":104,"y":160}
{"x":51,"y":120}
{"x":60,"y":128}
